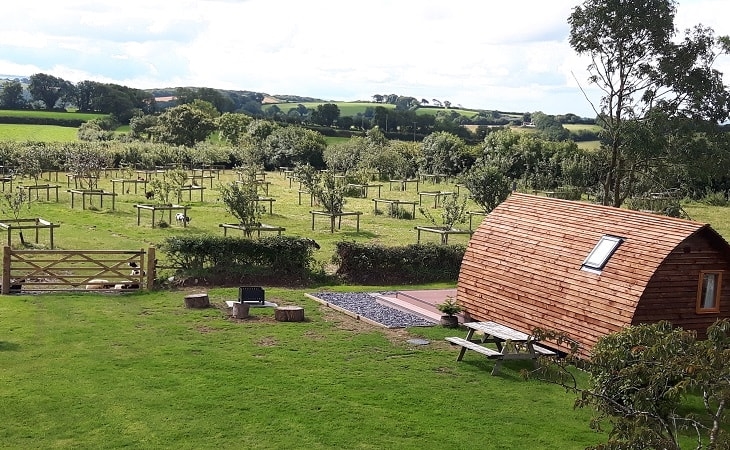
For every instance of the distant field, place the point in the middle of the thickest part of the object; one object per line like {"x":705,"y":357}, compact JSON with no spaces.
{"x":346,"y":108}
{"x":50,"y":114}
{"x":355,"y":108}
{"x":38,"y":133}
{"x":580,"y":126}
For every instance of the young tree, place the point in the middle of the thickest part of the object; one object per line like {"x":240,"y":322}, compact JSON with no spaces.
{"x":241,"y":201}
{"x":87,"y":162}
{"x":648,"y":78}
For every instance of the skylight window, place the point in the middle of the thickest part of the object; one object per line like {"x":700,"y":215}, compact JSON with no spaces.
{"x":601,"y":253}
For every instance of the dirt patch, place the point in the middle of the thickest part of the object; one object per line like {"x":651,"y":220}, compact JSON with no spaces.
{"x":268,"y":341}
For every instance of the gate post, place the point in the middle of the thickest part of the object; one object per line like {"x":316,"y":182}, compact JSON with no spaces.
{"x":151,"y":267}
{"x":6,"y":270}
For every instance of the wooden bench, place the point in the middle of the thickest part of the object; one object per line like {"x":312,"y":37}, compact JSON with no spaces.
{"x":488,"y":352}
{"x":511,"y":344}
{"x":251,"y":294}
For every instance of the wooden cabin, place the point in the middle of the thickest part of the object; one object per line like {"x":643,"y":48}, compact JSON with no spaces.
{"x":590,"y":270}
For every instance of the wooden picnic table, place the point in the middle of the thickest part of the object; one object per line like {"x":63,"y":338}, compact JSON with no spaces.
{"x":510,"y":343}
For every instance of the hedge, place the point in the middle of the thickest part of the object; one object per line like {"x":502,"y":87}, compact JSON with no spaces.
{"x":217,"y":256}
{"x":415,"y":263}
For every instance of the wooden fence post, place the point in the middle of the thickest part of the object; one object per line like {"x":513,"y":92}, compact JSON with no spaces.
{"x":151,"y":267}
{"x":6,"y":270}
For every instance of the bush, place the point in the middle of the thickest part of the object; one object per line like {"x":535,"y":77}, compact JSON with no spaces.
{"x":220,"y":256}
{"x":416,"y":263}
{"x":715,"y":199}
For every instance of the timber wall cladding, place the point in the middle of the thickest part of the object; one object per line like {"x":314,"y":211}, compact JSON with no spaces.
{"x":522,"y":267}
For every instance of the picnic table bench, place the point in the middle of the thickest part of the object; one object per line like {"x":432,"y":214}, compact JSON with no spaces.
{"x":510,"y":343}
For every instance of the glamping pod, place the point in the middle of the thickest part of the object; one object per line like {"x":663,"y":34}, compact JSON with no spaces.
{"x":589,"y":270}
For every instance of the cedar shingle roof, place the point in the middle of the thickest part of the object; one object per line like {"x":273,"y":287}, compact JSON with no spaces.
{"x":522,"y":266}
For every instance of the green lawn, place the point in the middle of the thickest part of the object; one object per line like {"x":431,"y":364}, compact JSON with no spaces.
{"x":110,"y":371}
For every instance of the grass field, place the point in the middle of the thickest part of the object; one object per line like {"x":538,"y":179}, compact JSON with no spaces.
{"x":139,"y":370}
{"x":42,"y":114}
{"x":37,"y":133}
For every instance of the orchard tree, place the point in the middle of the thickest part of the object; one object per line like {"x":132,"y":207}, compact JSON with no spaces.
{"x":183,"y":125}
{"x":657,"y":90}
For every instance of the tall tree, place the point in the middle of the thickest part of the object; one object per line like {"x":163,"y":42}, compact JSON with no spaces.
{"x":647,"y":76}
{"x":12,"y":95}
{"x":326,"y":114}
{"x":48,"y":89}
{"x":183,"y":125}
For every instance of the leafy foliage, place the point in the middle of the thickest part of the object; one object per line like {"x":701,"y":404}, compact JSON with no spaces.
{"x":642,"y":375}
{"x":168,"y":184}
{"x":487,"y":185}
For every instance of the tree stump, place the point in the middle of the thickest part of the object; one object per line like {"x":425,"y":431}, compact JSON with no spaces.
{"x":240,"y":310}
{"x":289,"y":314}
{"x":197,"y":301}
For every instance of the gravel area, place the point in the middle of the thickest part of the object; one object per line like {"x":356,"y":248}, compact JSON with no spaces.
{"x":366,"y":305}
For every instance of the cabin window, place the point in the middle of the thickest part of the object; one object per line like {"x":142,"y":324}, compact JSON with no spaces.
{"x":599,"y":256}
{"x":708,"y":292}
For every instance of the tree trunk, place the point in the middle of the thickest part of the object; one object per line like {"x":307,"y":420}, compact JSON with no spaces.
{"x":197,"y":301}
{"x":289,"y":314}
{"x":240,"y":310}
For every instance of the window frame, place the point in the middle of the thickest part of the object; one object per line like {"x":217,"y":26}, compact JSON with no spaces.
{"x":597,"y":267}
{"x":701,"y":293}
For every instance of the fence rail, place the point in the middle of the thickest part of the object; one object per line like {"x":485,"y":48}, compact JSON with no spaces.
{"x":64,"y":270}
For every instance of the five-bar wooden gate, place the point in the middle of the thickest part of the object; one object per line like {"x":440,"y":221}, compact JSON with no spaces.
{"x":63,"y":270}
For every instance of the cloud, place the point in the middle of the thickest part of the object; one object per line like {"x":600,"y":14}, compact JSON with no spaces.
{"x":472,"y":52}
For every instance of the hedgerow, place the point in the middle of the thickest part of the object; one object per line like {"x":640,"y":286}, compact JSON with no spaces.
{"x":415,"y":263}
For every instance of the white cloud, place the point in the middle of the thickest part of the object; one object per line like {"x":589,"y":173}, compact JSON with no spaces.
{"x":508,"y":56}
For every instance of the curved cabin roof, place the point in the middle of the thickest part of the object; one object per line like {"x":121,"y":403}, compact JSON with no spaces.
{"x":524,"y":265}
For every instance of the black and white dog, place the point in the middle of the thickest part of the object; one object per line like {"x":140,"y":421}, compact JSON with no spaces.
{"x":181,"y":218}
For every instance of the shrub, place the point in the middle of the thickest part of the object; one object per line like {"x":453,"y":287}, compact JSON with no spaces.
{"x":415,"y":263}
{"x":220,"y":256}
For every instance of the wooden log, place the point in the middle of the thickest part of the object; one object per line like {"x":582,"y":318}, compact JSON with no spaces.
{"x":289,"y":314}
{"x":240,"y":310}
{"x":197,"y":301}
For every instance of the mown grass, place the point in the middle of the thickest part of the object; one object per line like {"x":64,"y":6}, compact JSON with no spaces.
{"x":118,"y":229}
{"x":109,"y":371}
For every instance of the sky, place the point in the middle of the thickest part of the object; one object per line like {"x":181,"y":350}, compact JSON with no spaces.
{"x":475,"y":53}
